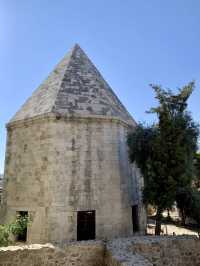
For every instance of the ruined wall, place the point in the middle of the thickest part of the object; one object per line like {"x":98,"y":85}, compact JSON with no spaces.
{"x":57,"y":166}
{"x":137,"y":251}
{"x":180,"y":251}
{"x":154,"y":251}
{"x":79,"y":254}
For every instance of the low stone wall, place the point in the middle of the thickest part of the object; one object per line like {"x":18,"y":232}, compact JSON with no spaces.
{"x":171,"y":251}
{"x":119,"y":253}
{"x":154,"y":251}
{"x":90,"y":253}
{"x":134,"y":251}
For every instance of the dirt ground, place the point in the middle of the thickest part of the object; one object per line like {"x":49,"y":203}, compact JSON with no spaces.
{"x":170,"y":229}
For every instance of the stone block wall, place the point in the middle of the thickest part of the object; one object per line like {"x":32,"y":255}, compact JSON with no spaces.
{"x":75,"y":254}
{"x":154,"y":251}
{"x":134,"y":251}
{"x":178,"y":251}
{"x":56,"y":167}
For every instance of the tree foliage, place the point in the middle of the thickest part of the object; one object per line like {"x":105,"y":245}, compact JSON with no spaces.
{"x":178,"y":133}
{"x":188,"y":200}
{"x":165,"y":151}
{"x":197,"y":170}
{"x":145,"y":150}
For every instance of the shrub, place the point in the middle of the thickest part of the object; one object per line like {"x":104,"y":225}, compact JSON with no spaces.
{"x":16,"y":228}
{"x":4,"y":235}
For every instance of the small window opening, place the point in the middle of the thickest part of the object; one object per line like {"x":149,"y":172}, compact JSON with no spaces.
{"x":22,"y":235}
{"x":135,"y":218}
{"x":85,"y":225}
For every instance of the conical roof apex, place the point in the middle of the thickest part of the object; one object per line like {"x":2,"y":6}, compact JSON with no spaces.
{"x":74,"y":87}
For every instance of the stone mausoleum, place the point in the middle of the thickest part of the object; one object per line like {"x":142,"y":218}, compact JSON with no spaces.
{"x":66,"y":160}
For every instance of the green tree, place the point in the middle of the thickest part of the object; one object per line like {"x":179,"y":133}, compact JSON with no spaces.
{"x":197,"y":170}
{"x":165,"y":152}
{"x":188,"y":200}
{"x":145,"y":149}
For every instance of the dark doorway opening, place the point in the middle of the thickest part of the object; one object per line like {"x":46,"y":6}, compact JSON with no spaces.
{"x":85,"y":225}
{"x":22,"y":217}
{"x":135,"y":218}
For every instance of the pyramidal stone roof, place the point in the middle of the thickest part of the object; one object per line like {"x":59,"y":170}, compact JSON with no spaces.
{"x":74,"y":88}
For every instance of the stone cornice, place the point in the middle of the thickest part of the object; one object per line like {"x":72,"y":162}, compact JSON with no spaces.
{"x":55,"y":117}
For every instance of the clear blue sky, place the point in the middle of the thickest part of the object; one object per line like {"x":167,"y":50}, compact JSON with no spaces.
{"x":132,"y":43}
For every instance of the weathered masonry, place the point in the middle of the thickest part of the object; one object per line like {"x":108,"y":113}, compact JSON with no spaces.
{"x":137,"y":251}
{"x":66,"y":160}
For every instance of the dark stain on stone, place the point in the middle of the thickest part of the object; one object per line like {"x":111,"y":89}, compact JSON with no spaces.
{"x":25,"y":147}
{"x":73,"y":144}
{"x":58,"y":116}
{"x":89,"y":108}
